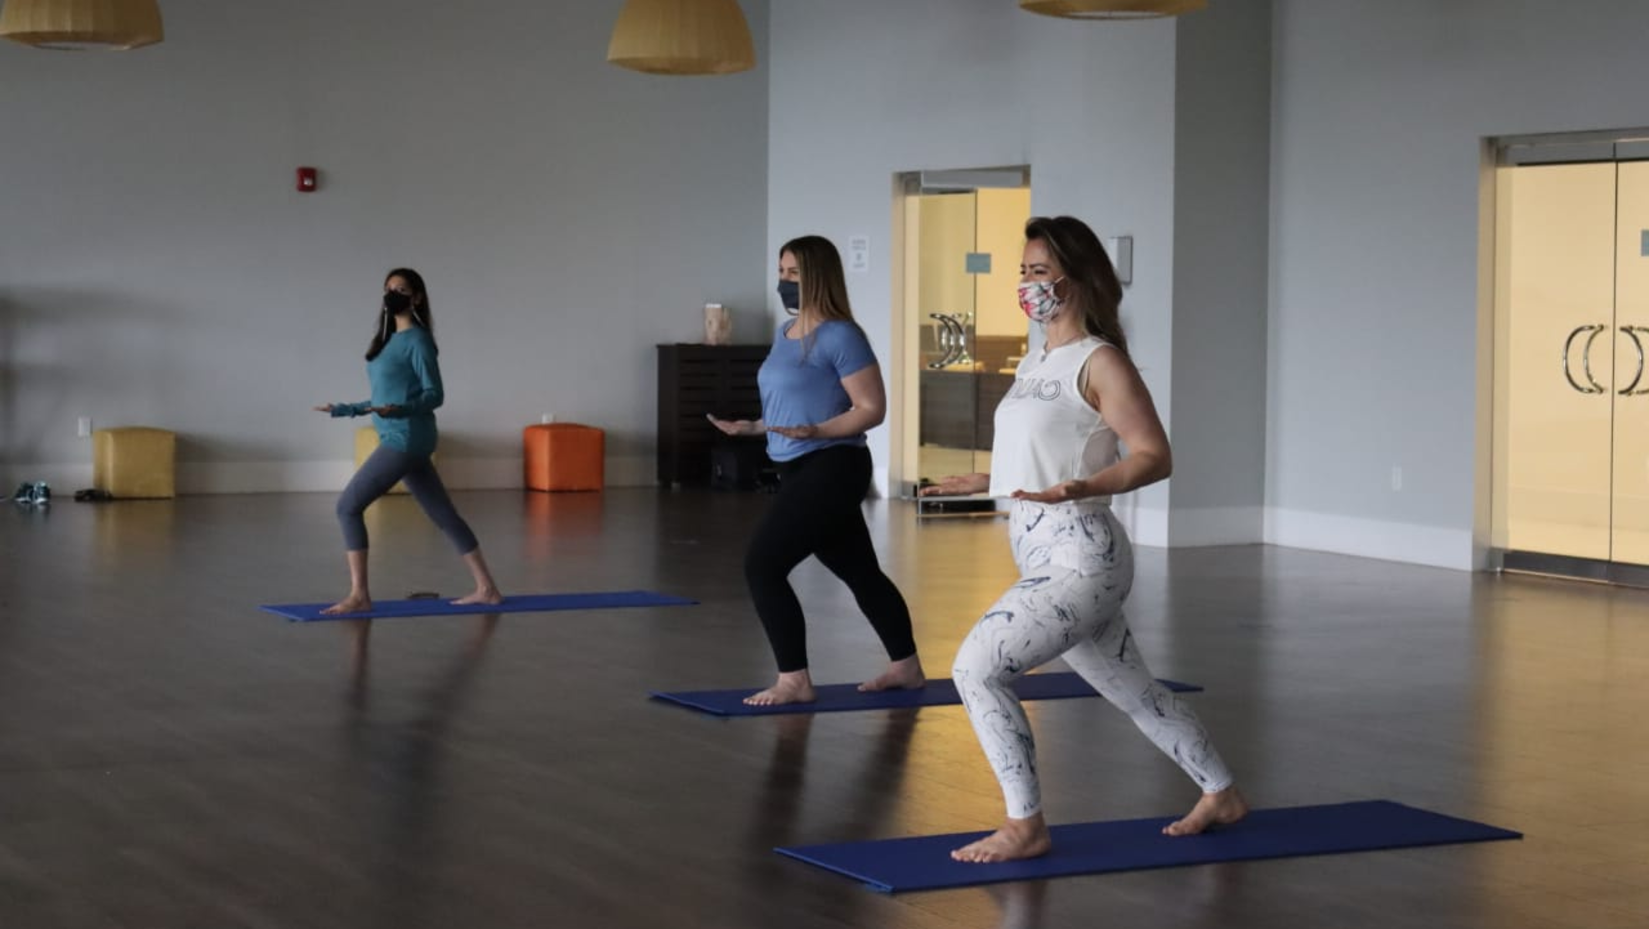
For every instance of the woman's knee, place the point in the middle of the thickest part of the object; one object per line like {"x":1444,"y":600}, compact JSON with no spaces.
{"x":977,"y":662}
{"x":769,"y":559}
{"x":349,"y":507}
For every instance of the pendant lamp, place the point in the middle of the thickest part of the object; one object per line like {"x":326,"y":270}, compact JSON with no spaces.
{"x":82,"y":24}
{"x":682,"y":37}
{"x":1112,"y":9}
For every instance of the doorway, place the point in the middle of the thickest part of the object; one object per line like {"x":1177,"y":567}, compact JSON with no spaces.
{"x":963,"y":332}
{"x":1571,"y":458}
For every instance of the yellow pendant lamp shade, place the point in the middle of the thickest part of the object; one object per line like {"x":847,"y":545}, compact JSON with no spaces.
{"x":81,"y":24}
{"x":682,"y":37}
{"x":1112,"y":9}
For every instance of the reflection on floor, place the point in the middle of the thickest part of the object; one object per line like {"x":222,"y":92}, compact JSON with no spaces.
{"x":174,"y":757}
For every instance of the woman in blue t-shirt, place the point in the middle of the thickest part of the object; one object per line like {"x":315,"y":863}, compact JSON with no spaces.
{"x":821,"y":391}
{"x":406,"y":389}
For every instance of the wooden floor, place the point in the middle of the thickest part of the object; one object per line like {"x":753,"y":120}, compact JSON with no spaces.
{"x":172,"y":757}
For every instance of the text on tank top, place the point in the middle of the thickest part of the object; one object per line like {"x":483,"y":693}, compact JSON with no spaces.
{"x":1046,"y":431}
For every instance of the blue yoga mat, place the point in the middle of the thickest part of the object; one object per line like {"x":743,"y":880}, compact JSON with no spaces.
{"x":924,"y":863}
{"x":531,"y":603}
{"x":836,"y":698}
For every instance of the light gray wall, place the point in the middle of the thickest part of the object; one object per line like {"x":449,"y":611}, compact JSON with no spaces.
{"x":864,"y":89}
{"x":157,"y":266}
{"x":1379,"y":112}
{"x":1222,"y":202}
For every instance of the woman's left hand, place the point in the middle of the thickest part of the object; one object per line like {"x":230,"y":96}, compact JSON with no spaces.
{"x":1059,"y":493}
{"x":795,"y":432}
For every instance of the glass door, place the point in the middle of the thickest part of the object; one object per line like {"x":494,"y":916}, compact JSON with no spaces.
{"x":1630,"y":526}
{"x":1555,"y":351}
{"x":948,"y":419}
{"x":961,"y":297}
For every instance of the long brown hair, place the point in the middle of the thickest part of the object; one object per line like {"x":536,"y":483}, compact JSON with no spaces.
{"x":420,"y":312}
{"x":823,"y":285}
{"x":1090,"y":279}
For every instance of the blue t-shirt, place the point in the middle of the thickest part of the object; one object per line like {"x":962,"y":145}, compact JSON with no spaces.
{"x":404,"y":374}
{"x":801,"y":383}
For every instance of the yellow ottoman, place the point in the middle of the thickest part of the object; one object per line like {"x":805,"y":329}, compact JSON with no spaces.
{"x":134,"y":462}
{"x":366,"y":442}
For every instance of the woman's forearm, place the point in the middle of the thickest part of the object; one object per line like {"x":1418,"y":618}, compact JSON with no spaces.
{"x":856,"y":421}
{"x":1138,"y":469}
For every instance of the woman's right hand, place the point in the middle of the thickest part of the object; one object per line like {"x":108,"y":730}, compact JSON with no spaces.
{"x":958,"y":485}
{"x":324,"y":408}
{"x":735,"y":426}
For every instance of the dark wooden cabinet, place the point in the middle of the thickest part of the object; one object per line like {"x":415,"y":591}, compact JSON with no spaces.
{"x":958,"y":408}
{"x":695,"y":380}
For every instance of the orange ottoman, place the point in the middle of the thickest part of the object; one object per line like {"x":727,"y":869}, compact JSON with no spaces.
{"x":564,"y":456}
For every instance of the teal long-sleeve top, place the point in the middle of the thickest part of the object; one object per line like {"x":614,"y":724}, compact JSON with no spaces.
{"x":405,"y":375}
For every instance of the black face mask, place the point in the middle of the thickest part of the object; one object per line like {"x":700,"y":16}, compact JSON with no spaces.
{"x":396,"y":302}
{"x":790,"y":294}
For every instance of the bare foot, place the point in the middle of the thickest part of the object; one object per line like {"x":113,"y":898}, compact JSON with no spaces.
{"x":1018,"y":838}
{"x":489,"y":595}
{"x":904,"y":674}
{"x":791,"y":687}
{"x":1216,"y":809}
{"x":354,"y":603}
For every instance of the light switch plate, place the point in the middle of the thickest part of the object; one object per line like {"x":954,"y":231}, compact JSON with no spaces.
{"x":1122,"y":257}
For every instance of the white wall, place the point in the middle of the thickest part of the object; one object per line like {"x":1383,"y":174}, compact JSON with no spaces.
{"x":1379,"y":111}
{"x":864,"y":89}
{"x":1222,"y":201}
{"x":157,"y":266}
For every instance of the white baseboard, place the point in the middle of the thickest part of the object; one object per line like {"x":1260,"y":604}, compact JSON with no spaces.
{"x":1222,"y":525}
{"x":881,"y":484}
{"x":64,"y":479}
{"x":1367,"y":538}
{"x":1146,"y":525}
{"x":632,"y":471}
{"x":253,"y":477}
{"x":260,"y":477}
{"x":505,"y":473}
{"x":1370,"y":538}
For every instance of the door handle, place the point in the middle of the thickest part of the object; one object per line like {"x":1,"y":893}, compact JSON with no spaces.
{"x":952,"y":338}
{"x":1585,"y":356}
{"x":958,"y":340}
{"x":948,"y":331}
{"x":1630,"y":390}
{"x":1586,"y":360}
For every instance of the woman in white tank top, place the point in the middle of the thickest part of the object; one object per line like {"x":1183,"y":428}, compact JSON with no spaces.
{"x":1056,"y":456}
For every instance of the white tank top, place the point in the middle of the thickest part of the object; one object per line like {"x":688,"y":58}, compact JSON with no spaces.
{"x":1046,"y":433}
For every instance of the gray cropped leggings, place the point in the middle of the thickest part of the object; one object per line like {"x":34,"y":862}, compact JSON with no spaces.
{"x":377,"y":475}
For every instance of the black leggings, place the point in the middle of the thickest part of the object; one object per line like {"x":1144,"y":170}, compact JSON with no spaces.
{"x":378,"y":474}
{"x":817,"y":512}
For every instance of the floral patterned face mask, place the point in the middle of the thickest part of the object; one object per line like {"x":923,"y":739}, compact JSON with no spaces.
{"x":1037,"y":299}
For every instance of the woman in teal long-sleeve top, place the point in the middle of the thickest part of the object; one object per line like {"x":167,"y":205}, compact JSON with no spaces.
{"x":406,"y":389}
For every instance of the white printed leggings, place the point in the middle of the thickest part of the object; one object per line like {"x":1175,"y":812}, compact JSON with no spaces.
{"x":1076,"y":567}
